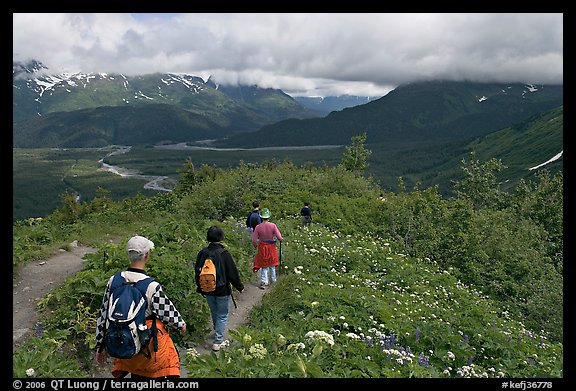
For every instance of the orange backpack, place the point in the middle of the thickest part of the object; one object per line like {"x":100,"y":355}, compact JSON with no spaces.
{"x":210,"y":271}
{"x":207,"y":278}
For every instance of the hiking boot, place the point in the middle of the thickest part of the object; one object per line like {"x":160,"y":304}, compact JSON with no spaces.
{"x":262,"y":286}
{"x":218,"y":346}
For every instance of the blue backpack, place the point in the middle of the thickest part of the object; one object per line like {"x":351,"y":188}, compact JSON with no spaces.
{"x":126,"y":332}
{"x":253,"y":219}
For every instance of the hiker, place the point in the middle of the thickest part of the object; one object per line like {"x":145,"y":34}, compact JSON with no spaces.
{"x":164,"y":362}
{"x":219,"y":300}
{"x":306,"y":214}
{"x":253,"y":218}
{"x":264,"y":239}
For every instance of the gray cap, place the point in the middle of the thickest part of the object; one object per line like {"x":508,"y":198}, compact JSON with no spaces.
{"x":140,"y":245}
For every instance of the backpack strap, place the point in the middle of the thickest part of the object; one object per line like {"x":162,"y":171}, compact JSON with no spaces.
{"x":218,"y":252}
{"x":117,"y":280}
{"x":142,"y":286}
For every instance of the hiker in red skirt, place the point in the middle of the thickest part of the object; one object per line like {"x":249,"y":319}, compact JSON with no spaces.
{"x":264,"y":238}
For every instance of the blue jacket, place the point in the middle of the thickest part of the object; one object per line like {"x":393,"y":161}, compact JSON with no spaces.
{"x":252,"y":222}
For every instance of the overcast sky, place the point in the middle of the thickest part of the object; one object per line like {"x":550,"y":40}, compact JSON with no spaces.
{"x":303,"y":54}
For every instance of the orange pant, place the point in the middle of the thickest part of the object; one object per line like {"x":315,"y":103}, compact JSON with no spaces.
{"x":164,"y":362}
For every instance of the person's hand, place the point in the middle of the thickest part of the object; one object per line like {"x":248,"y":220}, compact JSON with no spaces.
{"x":255,"y":269}
{"x":183,"y":330}
{"x":101,"y":357}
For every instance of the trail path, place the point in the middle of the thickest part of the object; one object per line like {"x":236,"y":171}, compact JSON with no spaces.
{"x":37,"y":278}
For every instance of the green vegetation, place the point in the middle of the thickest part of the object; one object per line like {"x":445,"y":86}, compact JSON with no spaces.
{"x":421,"y":165}
{"x":416,"y":285}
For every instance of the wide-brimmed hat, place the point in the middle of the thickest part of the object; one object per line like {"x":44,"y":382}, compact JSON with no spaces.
{"x":265,"y":213}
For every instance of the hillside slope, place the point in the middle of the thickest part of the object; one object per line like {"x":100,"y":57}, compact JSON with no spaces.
{"x":431,"y":112}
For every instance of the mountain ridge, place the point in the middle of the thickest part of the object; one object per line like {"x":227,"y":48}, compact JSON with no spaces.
{"x":434,"y":111}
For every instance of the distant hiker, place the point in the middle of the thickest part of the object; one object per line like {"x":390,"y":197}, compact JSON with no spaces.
{"x":306,"y":214}
{"x":227,"y":273}
{"x":164,"y":360}
{"x":264,"y":238}
{"x":253,"y":218}
{"x":78,"y":198}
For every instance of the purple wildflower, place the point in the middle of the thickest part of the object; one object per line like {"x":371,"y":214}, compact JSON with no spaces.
{"x":423,"y":360}
{"x":39,"y":330}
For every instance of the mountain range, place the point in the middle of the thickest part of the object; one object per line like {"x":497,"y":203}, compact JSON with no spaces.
{"x":95,"y":109}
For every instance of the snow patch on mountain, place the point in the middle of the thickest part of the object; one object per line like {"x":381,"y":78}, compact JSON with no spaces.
{"x":554,"y":158}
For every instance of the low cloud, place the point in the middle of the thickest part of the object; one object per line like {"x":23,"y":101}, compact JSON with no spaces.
{"x":302,"y":54}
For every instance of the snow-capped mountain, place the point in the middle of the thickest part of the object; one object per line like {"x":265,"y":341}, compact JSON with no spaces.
{"x":37,"y":92}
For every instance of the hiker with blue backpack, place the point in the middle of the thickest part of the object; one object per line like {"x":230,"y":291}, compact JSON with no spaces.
{"x":253,"y":218}
{"x":133,"y":319}
{"x":264,"y":239}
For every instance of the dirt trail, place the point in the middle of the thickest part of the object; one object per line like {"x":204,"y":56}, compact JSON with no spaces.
{"x":37,"y":278}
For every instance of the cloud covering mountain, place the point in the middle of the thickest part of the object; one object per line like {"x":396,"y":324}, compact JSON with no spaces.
{"x":304,"y":54}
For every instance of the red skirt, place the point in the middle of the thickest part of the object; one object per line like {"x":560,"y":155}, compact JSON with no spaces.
{"x":267,"y":255}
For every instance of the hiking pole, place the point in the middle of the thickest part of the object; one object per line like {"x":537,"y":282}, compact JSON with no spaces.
{"x":232,"y":294}
{"x":280,"y":259}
